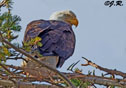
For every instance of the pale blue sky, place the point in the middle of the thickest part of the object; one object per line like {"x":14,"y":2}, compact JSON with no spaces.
{"x":100,"y":36}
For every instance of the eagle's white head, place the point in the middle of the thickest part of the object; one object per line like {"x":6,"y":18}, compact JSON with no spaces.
{"x":66,"y":16}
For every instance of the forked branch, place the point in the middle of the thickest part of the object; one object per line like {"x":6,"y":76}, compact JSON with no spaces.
{"x":109,"y":71}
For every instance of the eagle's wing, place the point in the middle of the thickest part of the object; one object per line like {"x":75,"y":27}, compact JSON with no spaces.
{"x":34,"y":29}
{"x":57,"y":38}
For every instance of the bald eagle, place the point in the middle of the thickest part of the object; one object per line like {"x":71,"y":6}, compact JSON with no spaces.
{"x":57,"y":36}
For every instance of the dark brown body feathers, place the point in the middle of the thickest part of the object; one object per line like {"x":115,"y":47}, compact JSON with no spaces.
{"x":58,"y":38}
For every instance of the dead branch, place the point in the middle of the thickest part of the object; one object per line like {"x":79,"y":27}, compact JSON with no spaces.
{"x":15,"y":58}
{"x":3,"y":3}
{"x":31,"y":85}
{"x":109,"y":71}
{"x":10,"y":84}
{"x":6,"y":69}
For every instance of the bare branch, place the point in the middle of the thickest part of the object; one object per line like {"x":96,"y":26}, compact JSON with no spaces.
{"x":109,"y":71}
{"x":3,"y":3}
{"x":4,"y":67}
{"x":15,"y":58}
{"x":10,"y":84}
{"x":31,"y":85}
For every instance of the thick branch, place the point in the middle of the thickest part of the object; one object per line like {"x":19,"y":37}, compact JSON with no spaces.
{"x":38,"y":62}
{"x":6,"y":83}
{"x":98,"y":80}
{"x":10,"y":84}
{"x":31,"y":85}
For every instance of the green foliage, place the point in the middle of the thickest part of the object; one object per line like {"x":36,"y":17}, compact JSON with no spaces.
{"x":9,"y":4}
{"x":76,"y":82}
{"x":80,"y":84}
{"x":31,"y":46}
{"x":7,"y":21}
{"x":77,"y":70}
{"x":33,"y":42}
{"x":9,"y":24}
{"x":112,"y":87}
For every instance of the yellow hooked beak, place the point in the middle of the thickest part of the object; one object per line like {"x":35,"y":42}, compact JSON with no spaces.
{"x":73,"y":21}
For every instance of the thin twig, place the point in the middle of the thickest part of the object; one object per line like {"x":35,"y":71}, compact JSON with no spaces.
{"x":4,"y":67}
{"x":16,"y":58}
{"x":15,"y":67}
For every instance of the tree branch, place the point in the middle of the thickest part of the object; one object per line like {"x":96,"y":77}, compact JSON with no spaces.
{"x":98,"y":79}
{"x":109,"y":71}
{"x":10,"y":84}
{"x":6,"y":69}
{"x":6,"y":83}
{"x":3,"y":3}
